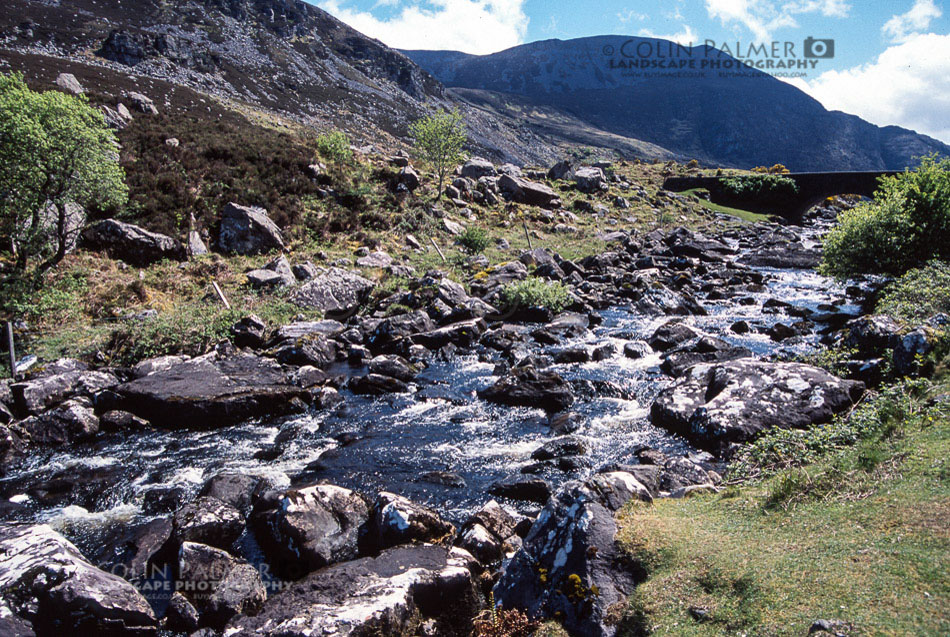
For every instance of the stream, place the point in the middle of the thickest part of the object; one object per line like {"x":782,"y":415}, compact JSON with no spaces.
{"x":394,"y":442}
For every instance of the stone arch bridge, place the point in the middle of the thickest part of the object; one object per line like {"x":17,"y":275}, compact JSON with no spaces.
{"x":813,"y":188}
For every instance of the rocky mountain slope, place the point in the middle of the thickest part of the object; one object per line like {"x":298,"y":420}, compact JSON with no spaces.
{"x":738,"y":119}
{"x":282,"y":57}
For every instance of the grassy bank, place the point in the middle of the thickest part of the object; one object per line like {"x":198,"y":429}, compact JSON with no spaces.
{"x":858,"y":536}
{"x":745,"y":215}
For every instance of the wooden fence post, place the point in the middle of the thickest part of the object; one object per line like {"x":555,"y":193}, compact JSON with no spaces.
{"x":10,"y":351}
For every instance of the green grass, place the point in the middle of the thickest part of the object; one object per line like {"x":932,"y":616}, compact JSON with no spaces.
{"x":861,"y":536}
{"x":745,"y":215}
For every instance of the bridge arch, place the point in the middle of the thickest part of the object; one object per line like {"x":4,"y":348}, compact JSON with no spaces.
{"x":813,"y":188}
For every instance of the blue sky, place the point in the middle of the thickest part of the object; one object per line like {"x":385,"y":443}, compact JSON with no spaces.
{"x":891,"y":62}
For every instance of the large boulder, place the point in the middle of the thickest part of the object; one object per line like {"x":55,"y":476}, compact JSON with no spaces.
{"x":384,"y":595}
{"x":873,"y":335}
{"x":72,"y":421}
{"x":305,"y":529}
{"x":528,"y":192}
{"x":477,"y":167}
{"x":248,"y":230}
{"x":46,"y":581}
{"x":528,"y":387}
{"x":590,"y":179}
{"x":219,"y":585}
{"x":129,"y":243}
{"x":335,"y":291}
{"x":69,"y":83}
{"x":910,"y":349}
{"x":213,"y":391}
{"x":718,"y":405}
{"x":569,"y":565}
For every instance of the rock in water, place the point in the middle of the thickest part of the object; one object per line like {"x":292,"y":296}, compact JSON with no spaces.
{"x":335,"y":291}
{"x":384,"y":595}
{"x":248,"y":230}
{"x":46,"y":581}
{"x":35,"y":395}
{"x":305,"y":529}
{"x":489,"y":534}
{"x":718,"y":405}
{"x":208,"y":520}
{"x":397,"y":520}
{"x":569,"y":565}
{"x":219,"y":585}
{"x":126,"y":242}
{"x":527,"y":387}
{"x":212,"y":391}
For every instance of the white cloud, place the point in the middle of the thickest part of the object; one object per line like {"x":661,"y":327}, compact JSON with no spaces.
{"x":901,"y":27}
{"x":907,"y":85}
{"x":686,"y":35}
{"x":629,"y":15}
{"x":763,"y":17}
{"x":472,"y":26}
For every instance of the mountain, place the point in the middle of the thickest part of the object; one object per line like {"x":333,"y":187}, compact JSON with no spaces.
{"x":736,"y":116}
{"x":279,"y":57}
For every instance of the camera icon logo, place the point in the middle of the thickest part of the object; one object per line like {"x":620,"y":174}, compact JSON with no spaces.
{"x":820,"y":49}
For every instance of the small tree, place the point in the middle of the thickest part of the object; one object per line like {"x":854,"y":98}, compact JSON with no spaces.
{"x":334,"y":146}
{"x":438,"y":141}
{"x":56,"y":152}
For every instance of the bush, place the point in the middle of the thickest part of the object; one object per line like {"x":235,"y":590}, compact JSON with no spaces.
{"x":190,"y":329}
{"x":474,"y":240}
{"x":763,"y":187}
{"x":907,"y":225}
{"x":536,"y":292}
{"x":919,"y":294}
{"x":505,"y":623}
{"x":334,"y":146}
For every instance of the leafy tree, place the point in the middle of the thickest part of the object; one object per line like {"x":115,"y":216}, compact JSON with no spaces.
{"x":907,"y":225}
{"x":56,"y":152}
{"x":438,"y":141}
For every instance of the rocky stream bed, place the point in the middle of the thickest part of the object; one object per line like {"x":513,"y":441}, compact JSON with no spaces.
{"x":379,"y":474}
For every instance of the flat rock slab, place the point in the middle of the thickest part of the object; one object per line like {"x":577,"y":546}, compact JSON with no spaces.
{"x":371,"y":596}
{"x":47,"y":582}
{"x":213,"y":391}
{"x":716,"y":405}
{"x":335,"y":291}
